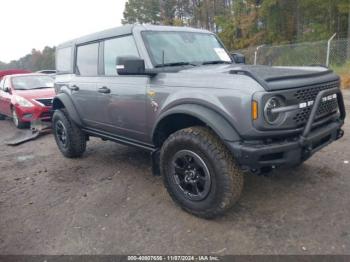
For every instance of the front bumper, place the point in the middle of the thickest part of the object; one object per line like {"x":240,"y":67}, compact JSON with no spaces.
{"x":291,"y":151}
{"x":34,"y":113}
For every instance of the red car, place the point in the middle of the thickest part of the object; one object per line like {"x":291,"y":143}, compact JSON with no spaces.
{"x":26,"y":97}
{"x":13,"y":72}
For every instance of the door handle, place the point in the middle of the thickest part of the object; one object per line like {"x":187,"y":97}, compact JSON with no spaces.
{"x":74,"y":87}
{"x":104,"y":90}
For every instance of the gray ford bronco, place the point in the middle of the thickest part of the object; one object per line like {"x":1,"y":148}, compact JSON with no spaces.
{"x":205,"y":116}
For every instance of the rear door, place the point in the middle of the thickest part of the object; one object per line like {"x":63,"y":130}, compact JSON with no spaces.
{"x":83,"y":85}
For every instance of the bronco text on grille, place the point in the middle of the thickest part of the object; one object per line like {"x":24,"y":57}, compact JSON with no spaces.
{"x":306,"y":97}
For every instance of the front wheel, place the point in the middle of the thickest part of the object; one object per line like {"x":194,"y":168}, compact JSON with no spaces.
{"x":199,"y":172}
{"x":69,"y":138}
{"x":17,"y":121}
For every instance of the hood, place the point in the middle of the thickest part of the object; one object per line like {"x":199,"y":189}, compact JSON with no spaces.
{"x":272,"y":78}
{"x":279,"y":78}
{"x":36,"y":93}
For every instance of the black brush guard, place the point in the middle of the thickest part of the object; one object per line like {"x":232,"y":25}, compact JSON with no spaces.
{"x":292,"y":152}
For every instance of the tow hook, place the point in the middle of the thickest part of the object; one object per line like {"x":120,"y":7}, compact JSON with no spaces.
{"x":340,"y":134}
{"x":263,"y":171}
{"x":306,"y":153}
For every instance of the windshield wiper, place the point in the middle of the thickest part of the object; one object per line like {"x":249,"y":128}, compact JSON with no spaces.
{"x":216,"y":62}
{"x":175,"y":64}
{"x":42,"y":87}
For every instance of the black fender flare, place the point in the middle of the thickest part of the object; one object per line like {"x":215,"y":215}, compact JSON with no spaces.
{"x":62,"y":100}
{"x":211,"y":118}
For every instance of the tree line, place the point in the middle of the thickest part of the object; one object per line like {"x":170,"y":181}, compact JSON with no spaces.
{"x":239,"y":23}
{"x":35,"y":61}
{"x":244,"y":23}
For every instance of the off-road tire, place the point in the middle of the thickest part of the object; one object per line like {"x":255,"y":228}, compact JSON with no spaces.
{"x":75,"y":143}
{"x":17,"y":122}
{"x":2,"y":117}
{"x":226,"y":177}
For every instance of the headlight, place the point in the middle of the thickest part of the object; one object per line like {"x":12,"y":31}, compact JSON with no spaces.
{"x":22,"y":101}
{"x":273,"y":103}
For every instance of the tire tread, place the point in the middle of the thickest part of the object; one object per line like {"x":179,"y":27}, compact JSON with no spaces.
{"x":232,"y":184}
{"x":77,"y":138}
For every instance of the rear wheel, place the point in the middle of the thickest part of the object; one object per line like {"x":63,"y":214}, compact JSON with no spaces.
{"x":69,"y":138}
{"x":16,"y":120}
{"x":199,"y":172}
{"x":2,"y":117}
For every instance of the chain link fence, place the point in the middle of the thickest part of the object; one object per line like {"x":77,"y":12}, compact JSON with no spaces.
{"x":302,"y":54}
{"x":334,"y":52}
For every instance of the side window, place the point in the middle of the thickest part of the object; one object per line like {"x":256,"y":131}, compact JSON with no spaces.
{"x":87,"y":59}
{"x":121,"y":46}
{"x":6,"y":83}
{"x":64,"y":59}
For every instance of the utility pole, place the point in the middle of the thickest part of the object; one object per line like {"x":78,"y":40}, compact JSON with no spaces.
{"x":256,"y":54}
{"x":329,"y":49}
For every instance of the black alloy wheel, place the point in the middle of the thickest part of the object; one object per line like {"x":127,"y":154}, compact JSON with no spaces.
{"x":191,"y":175}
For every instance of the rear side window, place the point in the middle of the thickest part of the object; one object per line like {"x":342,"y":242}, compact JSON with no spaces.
{"x":87,"y":60}
{"x":64,"y":59}
{"x":121,"y":46}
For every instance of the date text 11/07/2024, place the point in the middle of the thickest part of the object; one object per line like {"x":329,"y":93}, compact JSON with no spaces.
{"x":173,"y":258}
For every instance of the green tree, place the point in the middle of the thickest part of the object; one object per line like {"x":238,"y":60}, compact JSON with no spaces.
{"x":244,"y":23}
{"x":143,"y":12}
{"x":168,"y":11}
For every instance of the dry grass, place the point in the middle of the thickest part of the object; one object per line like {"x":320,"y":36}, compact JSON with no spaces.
{"x":345,"y":81}
{"x":344,"y":72}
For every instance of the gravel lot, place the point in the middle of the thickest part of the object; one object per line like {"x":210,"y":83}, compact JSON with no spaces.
{"x":108,"y":202}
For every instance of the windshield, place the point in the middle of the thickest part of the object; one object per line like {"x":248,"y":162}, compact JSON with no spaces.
{"x":181,"y":48}
{"x":32,"y":82}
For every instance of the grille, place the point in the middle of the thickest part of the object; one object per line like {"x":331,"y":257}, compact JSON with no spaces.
{"x":45,"y":114}
{"x":45,"y":101}
{"x":309,"y":94}
{"x":302,"y":116}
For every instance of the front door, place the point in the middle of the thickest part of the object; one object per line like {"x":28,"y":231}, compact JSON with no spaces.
{"x":122,"y":99}
{"x":122,"y":104}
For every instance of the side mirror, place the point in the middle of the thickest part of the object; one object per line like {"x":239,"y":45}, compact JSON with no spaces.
{"x":7,"y":89}
{"x":238,"y":58}
{"x":130,"y":65}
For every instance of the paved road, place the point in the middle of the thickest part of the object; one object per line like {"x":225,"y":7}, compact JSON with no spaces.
{"x":109,"y":203}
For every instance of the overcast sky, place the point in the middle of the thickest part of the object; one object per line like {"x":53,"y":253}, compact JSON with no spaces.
{"x":27,"y":24}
